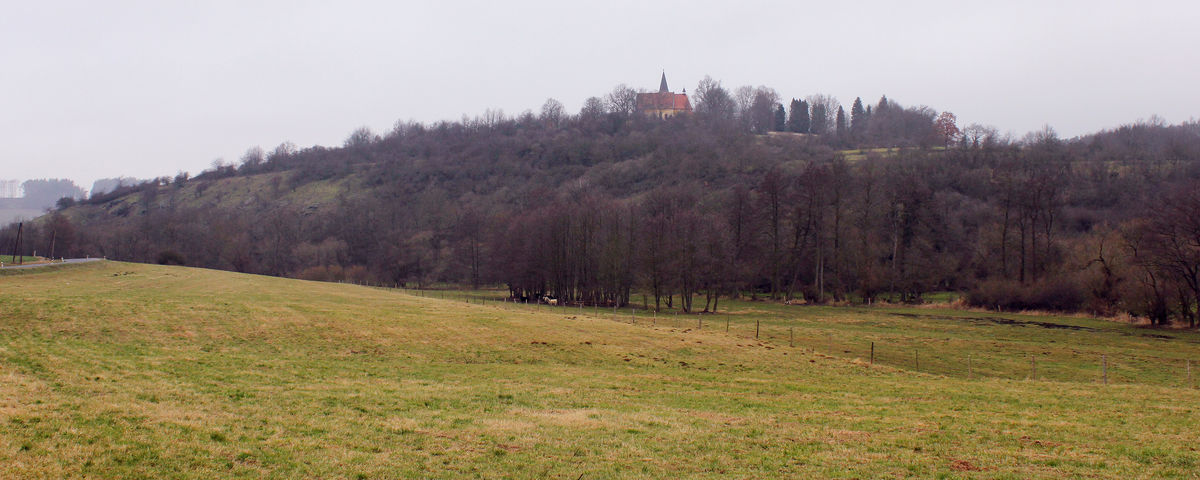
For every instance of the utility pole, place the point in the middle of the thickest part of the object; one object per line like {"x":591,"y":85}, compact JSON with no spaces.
{"x":53,"y":236}
{"x":17,"y":244}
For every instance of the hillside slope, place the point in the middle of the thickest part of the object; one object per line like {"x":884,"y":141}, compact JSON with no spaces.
{"x":598,"y":209}
{"x":136,"y":371}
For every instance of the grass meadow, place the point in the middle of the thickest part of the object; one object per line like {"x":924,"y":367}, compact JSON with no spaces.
{"x":114,"y":370}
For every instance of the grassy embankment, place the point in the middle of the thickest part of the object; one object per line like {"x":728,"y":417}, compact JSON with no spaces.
{"x":857,"y":154}
{"x":228,"y":193}
{"x":120,"y":370}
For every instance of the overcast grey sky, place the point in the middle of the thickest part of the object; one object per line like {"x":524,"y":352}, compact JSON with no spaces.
{"x":101,"y":89}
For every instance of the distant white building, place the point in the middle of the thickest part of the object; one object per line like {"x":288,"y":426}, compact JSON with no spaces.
{"x":11,"y":189}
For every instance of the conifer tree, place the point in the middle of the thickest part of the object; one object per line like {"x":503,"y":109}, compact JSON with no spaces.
{"x":780,"y":119}
{"x":841,"y":124}
{"x":818,"y":125}
{"x":798,"y":117}
{"x":858,"y":119}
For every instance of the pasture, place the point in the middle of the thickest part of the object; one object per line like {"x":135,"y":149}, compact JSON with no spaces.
{"x":139,"y":371}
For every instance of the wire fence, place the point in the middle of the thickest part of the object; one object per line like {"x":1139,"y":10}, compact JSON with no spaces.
{"x":998,"y":360}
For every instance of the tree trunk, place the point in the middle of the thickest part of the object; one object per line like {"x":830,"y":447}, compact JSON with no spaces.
{"x":820,"y":274}
{"x":1004,"y":242}
{"x":1021,"y":277}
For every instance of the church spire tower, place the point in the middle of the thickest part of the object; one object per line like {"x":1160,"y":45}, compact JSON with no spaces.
{"x":663,"y":103}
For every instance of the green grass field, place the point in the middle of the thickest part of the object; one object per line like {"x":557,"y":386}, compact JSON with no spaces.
{"x":7,"y":259}
{"x":944,"y":341}
{"x":113,"y":370}
{"x":861,"y":153}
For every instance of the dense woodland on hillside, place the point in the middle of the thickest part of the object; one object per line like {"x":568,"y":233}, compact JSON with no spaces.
{"x":746,"y":197}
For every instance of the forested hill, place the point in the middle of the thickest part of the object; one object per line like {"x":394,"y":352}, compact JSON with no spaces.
{"x":604,"y":205}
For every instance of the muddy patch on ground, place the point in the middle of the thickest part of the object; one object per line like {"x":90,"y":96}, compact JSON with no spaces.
{"x":999,"y":321}
{"x":1034,"y":323}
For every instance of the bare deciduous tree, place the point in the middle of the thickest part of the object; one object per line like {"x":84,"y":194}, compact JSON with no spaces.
{"x":552,"y":112}
{"x":622,"y":100}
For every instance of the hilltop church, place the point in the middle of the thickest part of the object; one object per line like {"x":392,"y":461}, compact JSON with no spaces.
{"x":663,"y":103}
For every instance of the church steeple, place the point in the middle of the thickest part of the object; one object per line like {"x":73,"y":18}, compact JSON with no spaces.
{"x":663,"y":103}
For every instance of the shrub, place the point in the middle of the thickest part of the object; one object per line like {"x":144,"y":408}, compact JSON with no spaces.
{"x":170,"y":257}
{"x":1061,"y":294}
{"x":322,"y":273}
{"x":335,"y":273}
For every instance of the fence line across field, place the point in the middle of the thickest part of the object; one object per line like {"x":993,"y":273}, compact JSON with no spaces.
{"x":1011,"y":364}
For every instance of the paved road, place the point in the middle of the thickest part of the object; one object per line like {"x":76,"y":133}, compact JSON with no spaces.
{"x":69,"y":260}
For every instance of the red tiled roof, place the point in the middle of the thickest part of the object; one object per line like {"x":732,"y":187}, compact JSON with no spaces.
{"x":663,"y":101}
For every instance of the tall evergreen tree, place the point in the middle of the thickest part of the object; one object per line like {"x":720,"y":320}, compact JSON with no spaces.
{"x":780,"y":119}
{"x":841,"y":124}
{"x":798,"y":117}
{"x":858,"y":119}
{"x":820,"y":120}
{"x":805,"y":121}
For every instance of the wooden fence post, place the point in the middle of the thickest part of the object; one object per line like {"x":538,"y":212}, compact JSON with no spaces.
{"x":1104,"y":361}
{"x":756,"y":328}
{"x":727,"y":323}
{"x":872,"y":353}
{"x":791,"y":336}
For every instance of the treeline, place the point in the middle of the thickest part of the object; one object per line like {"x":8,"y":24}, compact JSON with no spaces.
{"x":1018,"y":226}
{"x":607,"y":207}
{"x":885,"y":124}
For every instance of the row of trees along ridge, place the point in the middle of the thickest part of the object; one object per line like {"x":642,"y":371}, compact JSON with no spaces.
{"x":605,"y":205}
